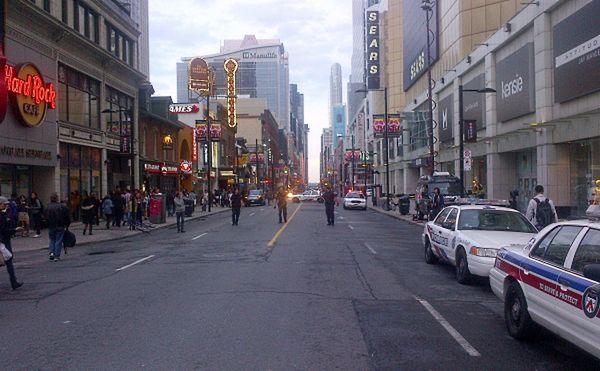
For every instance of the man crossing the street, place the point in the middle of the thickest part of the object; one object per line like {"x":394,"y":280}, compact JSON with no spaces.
{"x":236,"y":206}
{"x":59,"y":219}
{"x":330,"y":201}
{"x":282,"y":204}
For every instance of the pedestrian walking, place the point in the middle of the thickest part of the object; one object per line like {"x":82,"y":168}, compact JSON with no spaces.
{"x":23,"y":215}
{"x":97,"y":205}
{"x":541,"y":211}
{"x":87,"y":213}
{"x":170,"y":204}
{"x":179,"y":211}
{"x":282,"y":204}
{"x":118,"y":208}
{"x":7,"y":231}
{"x":59,"y":219}
{"x":236,"y":206}
{"x":437,"y":203}
{"x":36,"y":210}
{"x":107,"y":210}
{"x":329,"y":199}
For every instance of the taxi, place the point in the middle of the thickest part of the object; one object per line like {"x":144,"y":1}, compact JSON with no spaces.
{"x":553,"y":281}
{"x":469,"y":234}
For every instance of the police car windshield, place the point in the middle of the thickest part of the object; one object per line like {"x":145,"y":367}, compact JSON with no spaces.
{"x":446,"y":188}
{"x":494,"y":220}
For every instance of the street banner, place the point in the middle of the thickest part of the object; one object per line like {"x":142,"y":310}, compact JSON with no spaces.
{"x":349,"y":154}
{"x":215,"y":131}
{"x":252,"y":158}
{"x":470,"y":131}
{"x":394,"y":127}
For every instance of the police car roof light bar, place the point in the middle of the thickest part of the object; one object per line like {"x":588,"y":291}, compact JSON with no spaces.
{"x":479,"y":201}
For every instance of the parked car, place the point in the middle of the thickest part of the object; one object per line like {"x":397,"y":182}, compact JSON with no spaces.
{"x":255,"y":197}
{"x":469,"y":236}
{"x":355,"y":200}
{"x":553,"y":281}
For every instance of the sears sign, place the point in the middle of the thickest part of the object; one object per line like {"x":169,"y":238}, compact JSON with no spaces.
{"x":184,"y":108}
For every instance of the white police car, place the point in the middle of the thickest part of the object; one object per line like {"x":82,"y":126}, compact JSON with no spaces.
{"x":553,"y":281}
{"x":468,"y":236}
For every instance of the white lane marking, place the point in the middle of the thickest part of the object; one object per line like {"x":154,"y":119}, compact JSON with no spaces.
{"x":195,"y":238}
{"x":262,"y":209}
{"x":451,"y":330}
{"x":252,"y":214}
{"x":66,"y":322}
{"x":341,"y":218}
{"x":372,"y":250}
{"x":135,"y":262}
{"x":351,"y":227}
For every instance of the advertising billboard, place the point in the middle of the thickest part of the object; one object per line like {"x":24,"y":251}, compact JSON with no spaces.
{"x":446,"y":119}
{"x":515,"y":84}
{"x":394,"y":126}
{"x":415,"y":40}
{"x":577,"y":54}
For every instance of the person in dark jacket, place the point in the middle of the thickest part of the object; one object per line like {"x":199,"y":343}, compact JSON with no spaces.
{"x":179,"y":211}
{"x":87,"y":212}
{"x":236,"y":206}
{"x":282,"y":204}
{"x":437,"y":203}
{"x":7,"y":231}
{"x":170,"y":204}
{"x":329,"y":200}
{"x":35,"y":208}
{"x":59,"y":218}
{"x":118,"y":208}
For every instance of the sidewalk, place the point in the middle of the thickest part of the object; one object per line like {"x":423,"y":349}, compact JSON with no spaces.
{"x":395,"y":214}
{"x":100,"y":233}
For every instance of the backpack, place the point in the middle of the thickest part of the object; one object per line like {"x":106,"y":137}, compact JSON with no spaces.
{"x":543,"y":213}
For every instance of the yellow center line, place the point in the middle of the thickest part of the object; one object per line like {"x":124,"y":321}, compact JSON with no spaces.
{"x":283,"y":227}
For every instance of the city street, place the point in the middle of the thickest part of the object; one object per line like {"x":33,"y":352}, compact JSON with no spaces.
{"x":264,"y":296}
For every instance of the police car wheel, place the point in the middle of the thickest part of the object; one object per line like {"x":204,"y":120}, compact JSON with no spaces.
{"x":463,"y":276}
{"x":430,"y":257}
{"x":516,"y":315}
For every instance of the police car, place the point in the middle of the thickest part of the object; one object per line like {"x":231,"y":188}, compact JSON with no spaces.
{"x":553,"y":281}
{"x":469,"y":234}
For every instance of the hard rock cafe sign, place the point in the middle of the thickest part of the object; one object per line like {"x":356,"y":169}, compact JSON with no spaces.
{"x":231,"y":67}
{"x":30,"y":96}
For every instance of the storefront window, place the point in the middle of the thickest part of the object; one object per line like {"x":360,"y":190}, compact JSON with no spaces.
{"x":585,"y":174}
{"x":80,"y":170}
{"x":6,"y":183}
{"x":23,"y":180}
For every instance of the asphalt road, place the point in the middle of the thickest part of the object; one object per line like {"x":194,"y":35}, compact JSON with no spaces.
{"x":355,"y":296}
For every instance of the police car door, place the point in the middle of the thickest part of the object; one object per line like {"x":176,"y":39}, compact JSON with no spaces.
{"x":449,"y":233}
{"x":541,"y":274}
{"x":580,"y":290}
{"x":436,"y":236}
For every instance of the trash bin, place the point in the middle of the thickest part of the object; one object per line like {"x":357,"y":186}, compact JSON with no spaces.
{"x":189,"y":207}
{"x":404,"y":204}
{"x":158,"y":209}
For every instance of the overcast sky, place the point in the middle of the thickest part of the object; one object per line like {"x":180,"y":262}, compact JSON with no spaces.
{"x":315,"y":34}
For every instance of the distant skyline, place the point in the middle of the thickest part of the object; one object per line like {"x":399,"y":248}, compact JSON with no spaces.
{"x":313,"y":38}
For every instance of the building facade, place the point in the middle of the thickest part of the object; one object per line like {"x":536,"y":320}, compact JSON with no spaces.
{"x":85,"y":140}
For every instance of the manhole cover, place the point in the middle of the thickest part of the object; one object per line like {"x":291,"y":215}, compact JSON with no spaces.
{"x":101,"y":252}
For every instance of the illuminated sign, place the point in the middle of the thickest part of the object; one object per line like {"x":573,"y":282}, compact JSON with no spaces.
{"x":184,"y":108}
{"x":194,"y":147}
{"x":3,"y":89}
{"x":231,"y":67}
{"x":373,"y":50}
{"x":161,"y":168}
{"x":199,"y":76}
{"x":30,"y":96}
{"x":167,"y":142}
{"x":185,"y":167}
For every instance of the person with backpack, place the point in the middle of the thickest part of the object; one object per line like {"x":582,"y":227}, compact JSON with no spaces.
{"x":107,"y":209}
{"x":541,"y":211}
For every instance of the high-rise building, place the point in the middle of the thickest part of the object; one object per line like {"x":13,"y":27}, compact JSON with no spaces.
{"x":263,"y":72}
{"x":326,"y":152}
{"x":299,"y":130}
{"x":335,"y":85}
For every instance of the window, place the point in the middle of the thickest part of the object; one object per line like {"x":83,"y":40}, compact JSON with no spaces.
{"x":494,"y":220}
{"x":47,"y":5}
{"x":440,"y":218}
{"x":556,"y":244}
{"x":588,"y":251}
{"x":451,"y":220}
{"x":78,"y":97}
{"x":119,"y":44}
{"x":118,"y":116}
{"x":65,"y":11}
{"x":85,"y":20}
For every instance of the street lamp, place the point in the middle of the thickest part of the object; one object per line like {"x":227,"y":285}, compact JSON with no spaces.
{"x":461,"y":131}
{"x":385,"y":136}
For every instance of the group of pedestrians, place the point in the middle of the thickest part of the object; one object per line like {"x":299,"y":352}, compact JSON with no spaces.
{"x":27,"y":213}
